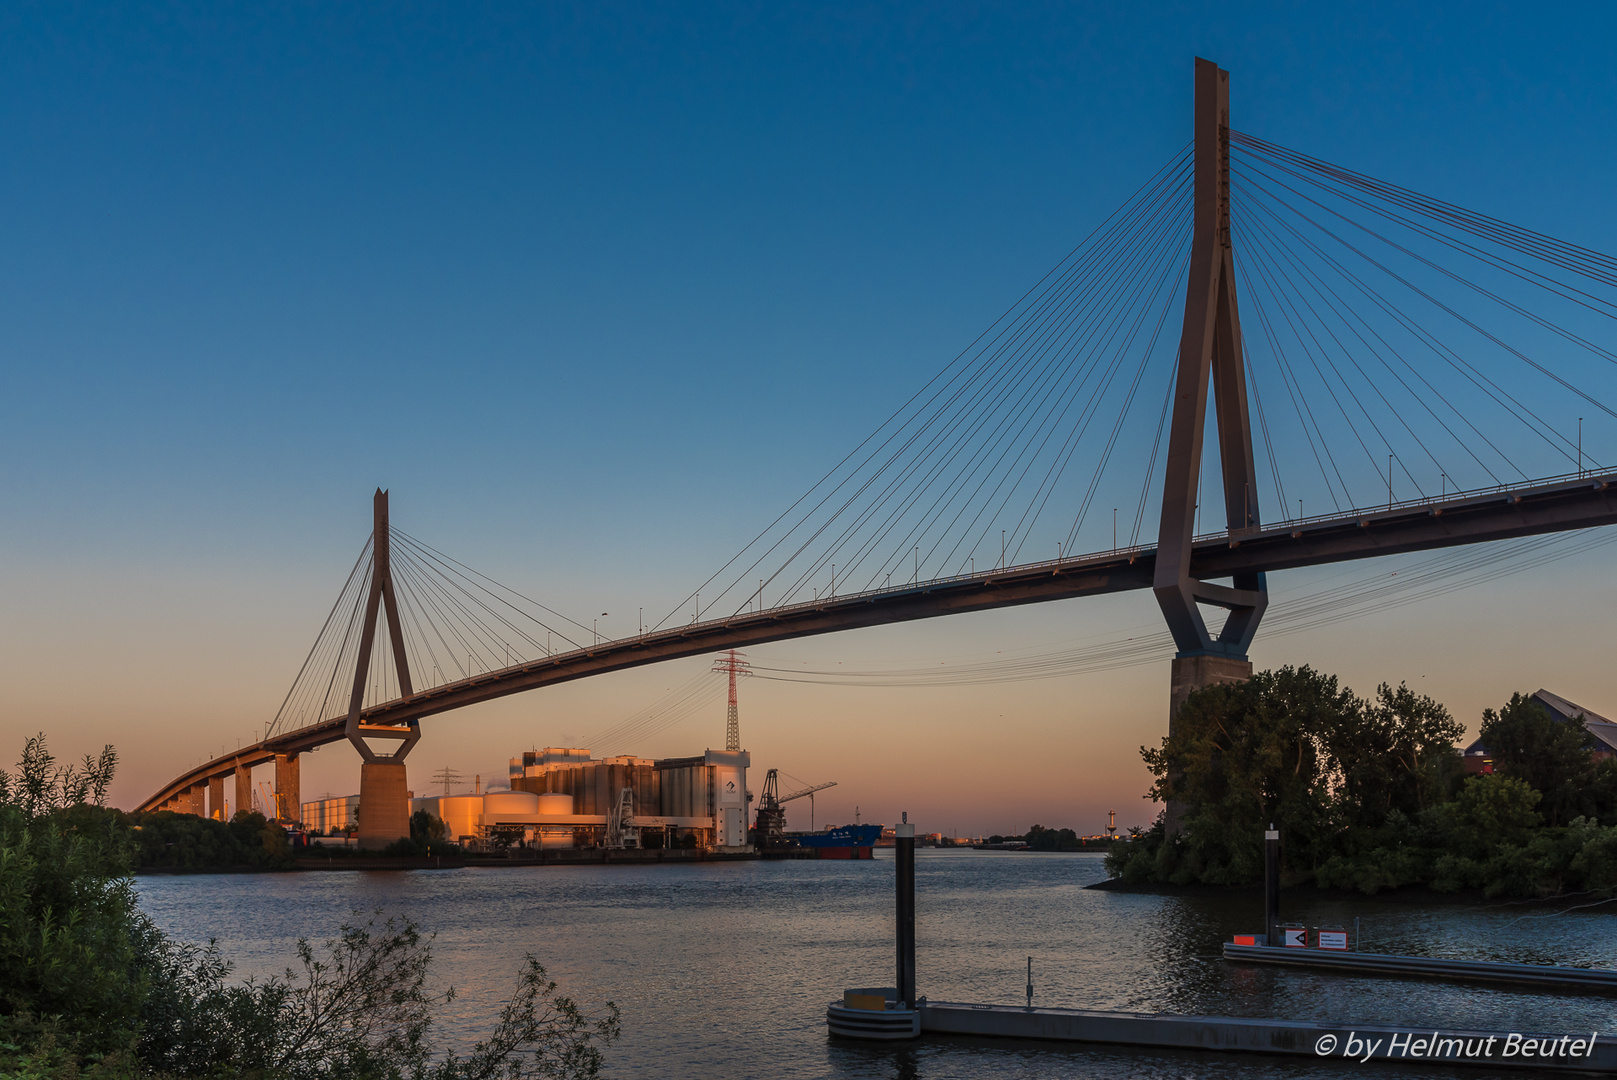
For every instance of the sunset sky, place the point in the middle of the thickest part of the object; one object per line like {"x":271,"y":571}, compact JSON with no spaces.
{"x":598,"y":290}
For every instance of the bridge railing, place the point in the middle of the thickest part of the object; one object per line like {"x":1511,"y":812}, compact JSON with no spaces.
{"x":1337,"y":517}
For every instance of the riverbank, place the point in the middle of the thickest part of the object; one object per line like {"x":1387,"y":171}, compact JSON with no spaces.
{"x":340,"y":859}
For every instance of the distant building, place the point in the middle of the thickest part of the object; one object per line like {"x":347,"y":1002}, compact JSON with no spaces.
{"x":562,"y":797}
{"x":1479,"y":760}
{"x":325,"y":817}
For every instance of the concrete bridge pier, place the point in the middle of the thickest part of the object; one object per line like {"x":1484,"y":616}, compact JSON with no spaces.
{"x":384,"y":804}
{"x":244,"y":788}
{"x":216,"y":798}
{"x":193,"y":800}
{"x":288,"y":795}
{"x":1192,"y":673}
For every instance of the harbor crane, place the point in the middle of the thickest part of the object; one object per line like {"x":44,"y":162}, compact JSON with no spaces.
{"x":771,"y":828}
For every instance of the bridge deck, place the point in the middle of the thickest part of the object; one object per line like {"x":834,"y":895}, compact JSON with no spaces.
{"x":1506,"y":512}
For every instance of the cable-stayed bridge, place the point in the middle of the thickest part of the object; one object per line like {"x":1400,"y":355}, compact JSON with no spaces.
{"x":1421,"y":375}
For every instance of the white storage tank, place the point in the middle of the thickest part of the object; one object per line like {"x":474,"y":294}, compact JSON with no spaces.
{"x":524,"y":803}
{"x":555,"y":802}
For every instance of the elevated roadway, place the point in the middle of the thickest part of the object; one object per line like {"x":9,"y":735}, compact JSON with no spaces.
{"x":1506,"y":512}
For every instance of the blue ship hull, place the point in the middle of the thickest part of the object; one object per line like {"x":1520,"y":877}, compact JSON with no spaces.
{"x":848,"y":836}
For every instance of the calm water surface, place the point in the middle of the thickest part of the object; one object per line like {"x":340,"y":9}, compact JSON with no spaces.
{"x":724,"y":969}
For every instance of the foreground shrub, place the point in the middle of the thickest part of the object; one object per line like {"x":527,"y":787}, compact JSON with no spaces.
{"x":90,"y":988}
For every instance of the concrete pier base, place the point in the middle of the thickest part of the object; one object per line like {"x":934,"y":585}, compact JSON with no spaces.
{"x":244,"y":790}
{"x":216,"y":798}
{"x":1192,"y":673}
{"x":384,"y":804}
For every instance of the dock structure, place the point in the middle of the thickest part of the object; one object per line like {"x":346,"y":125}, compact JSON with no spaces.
{"x":1588,"y":1052}
{"x":1518,"y":976}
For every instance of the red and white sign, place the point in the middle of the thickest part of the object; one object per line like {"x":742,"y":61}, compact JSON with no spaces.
{"x":1333,"y":939}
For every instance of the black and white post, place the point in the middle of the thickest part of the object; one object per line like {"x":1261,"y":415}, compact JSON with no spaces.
{"x":904,"y":836}
{"x":1271,"y":886}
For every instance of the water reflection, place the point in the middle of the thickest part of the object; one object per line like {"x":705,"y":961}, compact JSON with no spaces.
{"x":724,"y":970}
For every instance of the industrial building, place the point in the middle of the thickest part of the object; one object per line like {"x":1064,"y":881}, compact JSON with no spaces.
{"x":1602,"y":731}
{"x":328,"y":816}
{"x":561,"y":797}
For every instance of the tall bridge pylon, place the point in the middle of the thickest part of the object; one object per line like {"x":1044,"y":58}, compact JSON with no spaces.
{"x":1210,"y":351}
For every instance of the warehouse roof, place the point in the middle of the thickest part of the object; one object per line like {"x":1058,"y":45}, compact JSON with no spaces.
{"x":1603,"y":730}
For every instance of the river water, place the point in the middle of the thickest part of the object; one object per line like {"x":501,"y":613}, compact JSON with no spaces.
{"x":724,"y":969}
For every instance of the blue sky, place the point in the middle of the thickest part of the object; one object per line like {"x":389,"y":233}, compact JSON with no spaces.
{"x":596,"y":290}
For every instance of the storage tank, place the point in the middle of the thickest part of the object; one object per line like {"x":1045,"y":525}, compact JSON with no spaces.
{"x":510,"y":803}
{"x":461,"y":814}
{"x":555,"y":802}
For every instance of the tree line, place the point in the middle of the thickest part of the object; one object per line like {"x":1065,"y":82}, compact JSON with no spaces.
{"x":1372,"y":794}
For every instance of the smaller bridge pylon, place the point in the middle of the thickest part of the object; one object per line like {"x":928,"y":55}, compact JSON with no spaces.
{"x":384,"y":799}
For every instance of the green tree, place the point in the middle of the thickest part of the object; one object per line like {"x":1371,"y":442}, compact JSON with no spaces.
{"x":1396,"y":753}
{"x":186,"y":842}
{"x":426,"y":830}
{"x":1553,"y":757}
{"x":68,"y":922}
{"x":1244,"y":755}
{"x":1040,"y":838}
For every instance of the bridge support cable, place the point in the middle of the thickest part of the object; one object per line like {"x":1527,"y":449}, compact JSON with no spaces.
{"x":318,"y":691}
{"x":1300,"y":320}
{"x":1377,"y":347}
{"x":1523,"y":319}
{"x":698,"y":694}
{"x":956,"y":469}
{"x":1421,"y":340}
{"x":924,"y":493}
{"x":1500,"y":397}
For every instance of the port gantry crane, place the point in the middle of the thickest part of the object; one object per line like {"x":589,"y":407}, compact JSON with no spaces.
{"x":771,"y":828}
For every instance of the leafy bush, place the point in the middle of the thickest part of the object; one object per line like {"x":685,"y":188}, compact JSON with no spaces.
{"x":428,"y":834}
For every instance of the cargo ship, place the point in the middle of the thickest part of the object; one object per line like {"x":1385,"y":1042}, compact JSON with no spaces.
{"x":846,"y":842}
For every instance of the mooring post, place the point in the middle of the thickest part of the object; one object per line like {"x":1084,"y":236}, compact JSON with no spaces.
{"x":904,"y":838}
{"x":1271,"y":886}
